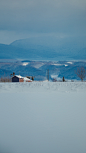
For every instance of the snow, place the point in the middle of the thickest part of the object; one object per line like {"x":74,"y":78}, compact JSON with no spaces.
{"x":27,"y":79}
{"x":54,"y":76}
{"x":38,"y":65}
{"x":70,"y":62}
{"x":19,"y":76}
{"x":43,"y":117}
{"x":57,"y":64}
{"x":60,"y":64}
{"x":25,"y":63}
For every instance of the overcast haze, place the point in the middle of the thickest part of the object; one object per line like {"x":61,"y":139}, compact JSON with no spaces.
{"x":22,"y":18}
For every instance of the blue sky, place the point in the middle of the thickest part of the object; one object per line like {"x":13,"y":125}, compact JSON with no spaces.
{"x":21,"y":19}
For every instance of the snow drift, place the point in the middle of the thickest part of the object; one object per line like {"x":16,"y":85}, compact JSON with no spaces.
{"x":43,"y":117}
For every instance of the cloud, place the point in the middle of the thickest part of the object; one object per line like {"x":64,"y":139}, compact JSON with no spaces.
{"x":45,"y":16}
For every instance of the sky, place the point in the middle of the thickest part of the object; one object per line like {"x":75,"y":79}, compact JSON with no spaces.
{"x":21,"y":19}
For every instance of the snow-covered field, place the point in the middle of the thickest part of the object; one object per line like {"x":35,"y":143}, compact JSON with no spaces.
{"x":43,"y":117}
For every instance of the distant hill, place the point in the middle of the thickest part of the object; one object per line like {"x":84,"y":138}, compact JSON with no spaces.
{"x":45,"y":48}
{"x":10,"y":52}
{"x":39,"y":69}
{"x":13,"y":52}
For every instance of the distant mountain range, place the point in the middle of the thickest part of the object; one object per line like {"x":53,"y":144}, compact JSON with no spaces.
{"x":45,"y":48}
{"x":39,"y":69}
{"x":35,"y":55}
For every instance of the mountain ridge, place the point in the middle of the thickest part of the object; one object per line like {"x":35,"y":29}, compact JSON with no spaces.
{"x":44,"y":48}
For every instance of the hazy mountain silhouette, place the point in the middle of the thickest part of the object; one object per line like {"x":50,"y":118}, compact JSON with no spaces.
{"x":45,"y":48}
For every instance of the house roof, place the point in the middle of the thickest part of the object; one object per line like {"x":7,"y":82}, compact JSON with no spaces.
{"x":25,"y":78}
{"x":19,"y":76}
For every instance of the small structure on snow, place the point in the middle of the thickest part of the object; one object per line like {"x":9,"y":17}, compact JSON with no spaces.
{"x":18,"y":78}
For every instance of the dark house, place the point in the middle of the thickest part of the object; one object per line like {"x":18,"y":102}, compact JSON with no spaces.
{"x":17,"y":79}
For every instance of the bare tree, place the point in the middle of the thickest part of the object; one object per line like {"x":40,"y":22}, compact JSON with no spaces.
{"x":81,"y":73}
{"x":13,"y":74}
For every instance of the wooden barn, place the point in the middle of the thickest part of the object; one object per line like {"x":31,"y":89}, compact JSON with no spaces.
{"x":18,"y":78}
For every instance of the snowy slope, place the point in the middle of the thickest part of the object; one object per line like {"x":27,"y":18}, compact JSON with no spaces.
{"x":43,"y":117}
{"x":57,"y":69}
